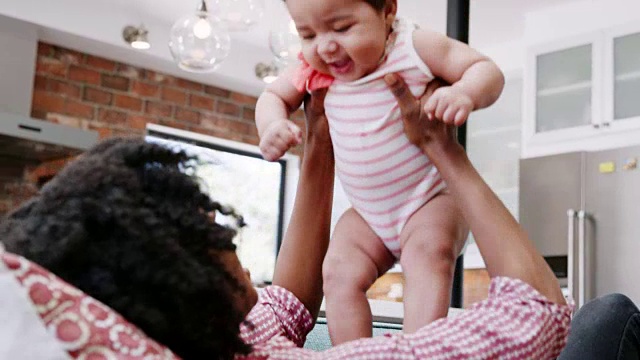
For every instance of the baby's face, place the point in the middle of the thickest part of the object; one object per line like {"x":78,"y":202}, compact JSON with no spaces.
{"x":342,"y":38}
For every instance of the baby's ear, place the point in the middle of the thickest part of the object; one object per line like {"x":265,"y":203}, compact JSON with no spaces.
{"x":390,"y":11}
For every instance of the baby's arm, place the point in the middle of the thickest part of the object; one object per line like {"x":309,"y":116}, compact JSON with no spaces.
{"x":275,"y":105}
{"x":476,"y":80}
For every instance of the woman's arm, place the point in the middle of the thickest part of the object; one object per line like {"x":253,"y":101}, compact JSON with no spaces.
{"x":503,"y":244}
{"x":299,"y":264}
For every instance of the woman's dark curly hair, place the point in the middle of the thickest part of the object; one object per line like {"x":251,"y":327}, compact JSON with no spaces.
{"x":126,"y":225}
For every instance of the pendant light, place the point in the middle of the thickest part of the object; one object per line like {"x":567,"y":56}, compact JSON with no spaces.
{"x":198,"y":43}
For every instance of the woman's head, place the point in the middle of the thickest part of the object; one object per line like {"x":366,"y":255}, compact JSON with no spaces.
{"x":126,"y":225}
{"x":343,"y":38}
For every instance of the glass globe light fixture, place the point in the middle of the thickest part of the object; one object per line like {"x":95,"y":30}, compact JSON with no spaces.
{"x":238,"y":15}
{"x":198,"y":43}
{"x":284,"y":42}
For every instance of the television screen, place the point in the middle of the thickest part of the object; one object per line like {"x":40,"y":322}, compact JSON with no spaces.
{"x":255,"y":188}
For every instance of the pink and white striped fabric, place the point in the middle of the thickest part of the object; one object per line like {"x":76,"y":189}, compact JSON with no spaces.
{"x":385,"y":177}
{"x":514,"y":322}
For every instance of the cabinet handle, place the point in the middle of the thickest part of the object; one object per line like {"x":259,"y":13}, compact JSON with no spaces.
{"x":606,"y":124}
{"x":596,"y":126}
{"x":582,"y":254}
{"x":571,"y":254}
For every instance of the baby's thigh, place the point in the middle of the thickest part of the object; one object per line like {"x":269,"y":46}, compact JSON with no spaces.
{"x":436,"y":229}
{"x":356,"y":251}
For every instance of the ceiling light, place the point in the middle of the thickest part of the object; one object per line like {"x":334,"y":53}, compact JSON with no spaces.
{"x":284,"y":41}
{"x":267,"y":72}
{"x":198,"y":43}
{"x":136,"y":37}
{"x":238,"y":15}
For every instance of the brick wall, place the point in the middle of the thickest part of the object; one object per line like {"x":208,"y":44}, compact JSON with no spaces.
{"x":113,"y":98}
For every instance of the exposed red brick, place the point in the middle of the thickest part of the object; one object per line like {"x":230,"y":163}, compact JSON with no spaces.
{"x":201,"y":102}
{"x":64,"y":120}
{"x":145,"y":89}
{"x":129,"y":71}
{"x":45,"y":49}
{"x":158,"y":108}
{"x":112,"y":116}
{"x":174,"y":124}
{"x":139,"y":121}
{"x":128,"y":102}
{"x":248,"y":113}
{"x":84,"y":75}
{"x":228,"y":108}
{"x":187,"y":115}
{"x":64,"y":88}
{"x":40,"y":83}
{"x":103,"y":132}
{"x":97,"y":96}
{"x":68,"y":56}
{"x":115,"y":82}
{"x":243,"y":99}
{"x":50,"y":66}
{"x":212,"y":121}
{"x":240,"y":127}
{"x":47,"y":102}
{"x":174,"y":95}
{"x":189,"y":85}
{"x":212,"y":90}
{"x":100,"y":63}
{"x":76,"y":108}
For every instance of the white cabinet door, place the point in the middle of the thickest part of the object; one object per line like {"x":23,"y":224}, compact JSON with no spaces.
{"x":622,"y":78}
{"x":562,"y":90}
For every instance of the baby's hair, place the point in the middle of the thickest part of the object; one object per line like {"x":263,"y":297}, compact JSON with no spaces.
{"x":376,"y":4}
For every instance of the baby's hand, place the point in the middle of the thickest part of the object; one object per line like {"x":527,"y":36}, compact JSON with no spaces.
{"x":278,"y":138}
{"x":449,"y":104}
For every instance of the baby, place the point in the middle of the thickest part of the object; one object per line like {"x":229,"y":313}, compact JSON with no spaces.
{"x":401,"y":209}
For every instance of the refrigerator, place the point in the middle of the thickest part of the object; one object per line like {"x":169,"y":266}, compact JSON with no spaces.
{"x":582,"y":211}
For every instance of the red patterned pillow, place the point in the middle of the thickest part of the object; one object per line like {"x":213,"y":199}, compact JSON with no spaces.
{"x":86,"y":328}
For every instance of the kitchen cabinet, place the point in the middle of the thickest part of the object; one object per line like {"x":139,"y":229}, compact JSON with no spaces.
{"x":582,"y":93}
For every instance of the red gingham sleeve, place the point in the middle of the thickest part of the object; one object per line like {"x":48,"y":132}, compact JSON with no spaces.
{"x":278,"y":313}
{"x":514,"y":322}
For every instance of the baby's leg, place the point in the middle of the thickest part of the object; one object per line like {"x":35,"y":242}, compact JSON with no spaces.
{"x":355,"y":259}
{"x":431,"y":242}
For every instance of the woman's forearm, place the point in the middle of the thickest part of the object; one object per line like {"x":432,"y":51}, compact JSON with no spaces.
{"x":503,"y":244}
{"x":299,"y":265}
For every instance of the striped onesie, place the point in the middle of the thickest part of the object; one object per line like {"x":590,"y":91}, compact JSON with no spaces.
{"x":385,"y":177}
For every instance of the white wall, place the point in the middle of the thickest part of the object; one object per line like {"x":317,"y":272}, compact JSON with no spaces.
{"x":578,"y":18}
{"x":18,"y":47}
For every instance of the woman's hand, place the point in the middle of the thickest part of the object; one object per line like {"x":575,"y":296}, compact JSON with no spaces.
{"x":421,"y":131}
{"x":317,"y":124}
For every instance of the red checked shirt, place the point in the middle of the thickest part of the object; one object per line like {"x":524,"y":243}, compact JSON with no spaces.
{"x":514,"y":322}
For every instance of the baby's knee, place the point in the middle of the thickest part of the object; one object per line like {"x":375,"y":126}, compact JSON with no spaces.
{"x":437,"y":252}
{"x":341,"y":273}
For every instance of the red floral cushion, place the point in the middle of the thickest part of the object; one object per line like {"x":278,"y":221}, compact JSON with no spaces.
{"x":86,"y":328}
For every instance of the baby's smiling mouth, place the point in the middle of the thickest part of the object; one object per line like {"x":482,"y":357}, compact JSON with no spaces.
{"x":342,"y":66}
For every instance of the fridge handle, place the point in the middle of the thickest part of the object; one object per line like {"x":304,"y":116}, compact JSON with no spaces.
{"x":582,"y":275}
{"x":571,"y":254}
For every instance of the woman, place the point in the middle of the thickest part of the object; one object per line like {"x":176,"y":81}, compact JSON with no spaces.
{"x":127,"y":226}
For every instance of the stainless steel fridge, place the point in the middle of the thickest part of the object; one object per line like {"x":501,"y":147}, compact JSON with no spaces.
{"x":582,"y":211}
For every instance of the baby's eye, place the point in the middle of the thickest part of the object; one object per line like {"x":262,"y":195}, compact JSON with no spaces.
{"x":343,"y":28}
{"x":307,"y":36}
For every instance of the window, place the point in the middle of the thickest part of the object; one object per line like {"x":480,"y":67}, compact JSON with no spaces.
{"x":235,"y":174}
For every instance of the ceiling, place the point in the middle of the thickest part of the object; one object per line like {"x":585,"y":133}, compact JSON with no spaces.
{"x":95,"y":27}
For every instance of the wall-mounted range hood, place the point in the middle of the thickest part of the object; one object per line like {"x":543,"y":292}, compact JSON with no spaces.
{"x":32,"y":141}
